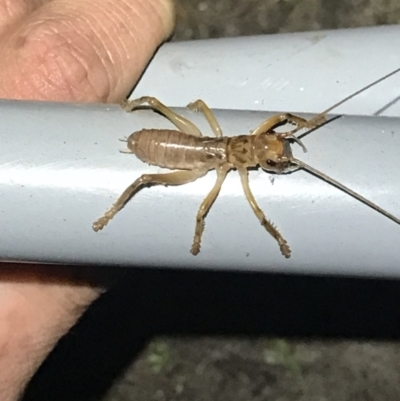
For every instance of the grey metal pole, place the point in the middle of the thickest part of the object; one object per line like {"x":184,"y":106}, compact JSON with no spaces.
{"x":60,"y":169}
{"x":297,"y":72}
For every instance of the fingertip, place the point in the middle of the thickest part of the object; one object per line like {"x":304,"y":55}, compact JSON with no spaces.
{"x":90,"y":50}
{"x":166,"y":10}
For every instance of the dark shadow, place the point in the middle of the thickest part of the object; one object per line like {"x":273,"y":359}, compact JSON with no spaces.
{"x":169,"y":302}
{"x":387,"y":106}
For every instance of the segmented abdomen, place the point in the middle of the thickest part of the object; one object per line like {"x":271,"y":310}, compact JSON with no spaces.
{"x":174,"y":149}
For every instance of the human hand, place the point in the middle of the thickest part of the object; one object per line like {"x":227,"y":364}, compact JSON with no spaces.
{"x":63,"y":50}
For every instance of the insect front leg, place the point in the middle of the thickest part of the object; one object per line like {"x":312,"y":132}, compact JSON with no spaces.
{"x":276,"y":121}
{"x":174,"y":178}
{"x":284,"y":247}
{"x":201,"y":106}
{"x":179,"y":121}
{"x":205,"y":207}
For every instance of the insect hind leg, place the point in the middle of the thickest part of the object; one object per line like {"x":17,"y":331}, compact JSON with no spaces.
{"x":174,"y":178}
{"x":179,"y":121}
{"x":283,"y":245}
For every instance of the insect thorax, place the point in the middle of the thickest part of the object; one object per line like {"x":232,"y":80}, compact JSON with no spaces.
{"x":240,"y":151}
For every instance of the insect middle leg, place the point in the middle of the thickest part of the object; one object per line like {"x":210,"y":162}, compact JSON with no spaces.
{"x":201,"y":106}
{"x":284,"y":247}
{"x":174,"y":178}
{"x":205,"y":207}
{"x":182,"y":123}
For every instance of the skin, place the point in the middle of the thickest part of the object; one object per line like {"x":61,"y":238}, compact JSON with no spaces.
{"x":64,"y":50}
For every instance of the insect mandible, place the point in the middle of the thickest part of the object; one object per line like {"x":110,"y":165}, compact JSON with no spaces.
{"x":194,"y":155}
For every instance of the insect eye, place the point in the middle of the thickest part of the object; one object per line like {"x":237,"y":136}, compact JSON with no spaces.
{"x":271,"y":162}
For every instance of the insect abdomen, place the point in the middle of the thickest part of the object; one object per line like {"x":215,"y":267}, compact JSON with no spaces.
{"x":171,"y":149}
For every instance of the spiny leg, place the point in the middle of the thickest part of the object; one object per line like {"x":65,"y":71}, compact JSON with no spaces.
{"x":174,"y":178}
{"x":201,"y":106}
{"x":180,"y":122}
{"x":280,"y":119}
{"x":275,"y":121}
{"x":205,"y":207}
{"x":284,"y":247}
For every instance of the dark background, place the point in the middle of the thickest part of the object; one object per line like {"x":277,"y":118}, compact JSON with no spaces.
{"x":192,"y":336}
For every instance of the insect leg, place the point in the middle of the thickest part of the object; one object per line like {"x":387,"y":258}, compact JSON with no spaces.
{"x":284,"y":118}
{"x":244,"y":176}
{"x":180,"y":122}
{"x":174,"y":178}
{"x":205,"y":207}
{"x":199,"y":105}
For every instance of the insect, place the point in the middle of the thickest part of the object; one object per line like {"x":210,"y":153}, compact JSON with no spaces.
{"x":193,"y":155}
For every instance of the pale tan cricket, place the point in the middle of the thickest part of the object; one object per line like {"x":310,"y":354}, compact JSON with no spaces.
{"x":194,"y":155}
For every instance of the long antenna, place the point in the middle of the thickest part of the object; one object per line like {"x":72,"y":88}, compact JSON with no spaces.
{"x":342,"y":187}
{"x":360,"y":91}
{"x":319,"y":117}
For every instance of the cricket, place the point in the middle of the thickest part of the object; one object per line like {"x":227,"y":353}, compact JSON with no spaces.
{"x":193,"y":155}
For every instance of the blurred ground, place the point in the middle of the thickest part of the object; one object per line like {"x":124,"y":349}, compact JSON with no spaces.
{"x":233,"y":369}
{"x":244,"y":370}
{"x":220,"y":18}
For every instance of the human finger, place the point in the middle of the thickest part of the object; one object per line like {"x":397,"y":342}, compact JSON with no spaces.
{"x":11,"y":12}
{"x":82,"y":50}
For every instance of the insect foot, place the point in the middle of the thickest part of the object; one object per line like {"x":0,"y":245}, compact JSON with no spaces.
{"x":283,"y":245}
{"x":100,"y":223}
{"x":195,"y":249}
{"x":285,"y":249}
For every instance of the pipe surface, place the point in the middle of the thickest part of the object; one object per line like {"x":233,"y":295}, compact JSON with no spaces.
{"x":298,"y":72}
{"x":60,"y":169}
